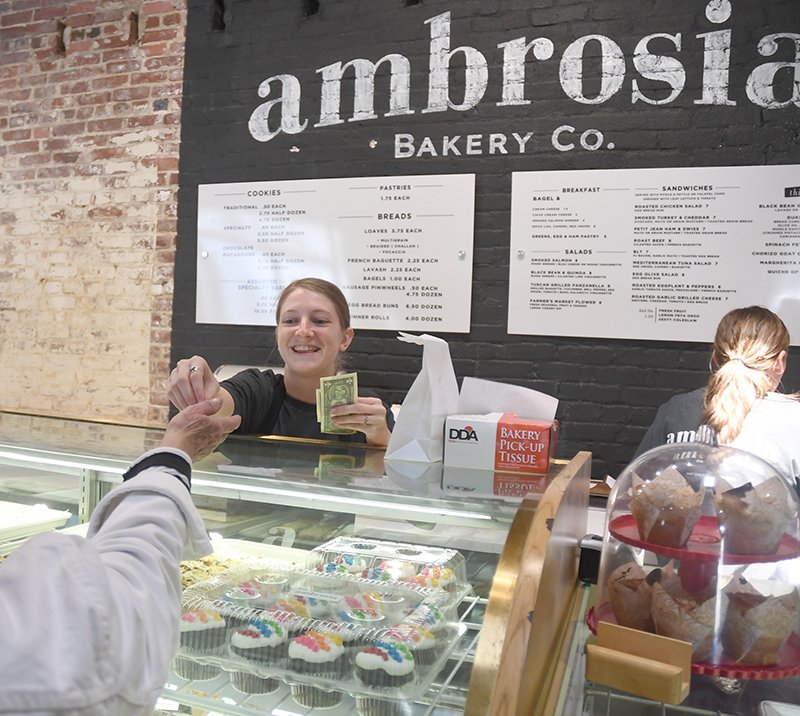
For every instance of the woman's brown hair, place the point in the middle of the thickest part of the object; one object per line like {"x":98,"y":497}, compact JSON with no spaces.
{"x":744,"y":364}
{"x":325,"y":288}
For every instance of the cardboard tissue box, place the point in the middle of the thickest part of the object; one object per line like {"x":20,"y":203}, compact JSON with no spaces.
{"x":503,"y":442}
{"x":499,"y":432}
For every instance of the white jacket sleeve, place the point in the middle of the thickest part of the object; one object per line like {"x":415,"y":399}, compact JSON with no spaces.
{"x":89,"y":626}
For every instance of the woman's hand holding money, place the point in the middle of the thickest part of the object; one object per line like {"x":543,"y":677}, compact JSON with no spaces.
{"x":367,"y":415}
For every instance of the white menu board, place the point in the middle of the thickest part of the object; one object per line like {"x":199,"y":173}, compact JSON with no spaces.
{"x":400,"y":248}
{"x":659,"y":254}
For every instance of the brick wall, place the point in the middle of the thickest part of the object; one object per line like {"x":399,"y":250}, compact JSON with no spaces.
{"x":608,"y":389}
{"x":90,"y":103}
{"x":90,"y":99}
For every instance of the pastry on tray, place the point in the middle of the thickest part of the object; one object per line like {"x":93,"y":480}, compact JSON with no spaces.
{"x":680,"y":615}
{"x":631,"y":597}
{"x":666,"y":508}
{"x":317,"y":654}
{"x":203,"y":631}
{"x":753,"y":518}
{"x":757,"y":625}
{"x":385,"y":664}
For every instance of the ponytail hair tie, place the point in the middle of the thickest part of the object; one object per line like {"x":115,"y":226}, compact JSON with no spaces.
{"x":740,"y":360}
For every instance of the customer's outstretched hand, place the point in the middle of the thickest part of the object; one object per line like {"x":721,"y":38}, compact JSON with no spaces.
{"x":197,"y":430}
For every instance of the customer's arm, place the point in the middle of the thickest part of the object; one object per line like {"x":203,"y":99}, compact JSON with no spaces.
{"x":90,"y":625}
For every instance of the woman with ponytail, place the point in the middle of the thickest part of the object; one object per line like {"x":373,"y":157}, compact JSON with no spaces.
{"x":740,"y":401}
{"x":748,"y":360}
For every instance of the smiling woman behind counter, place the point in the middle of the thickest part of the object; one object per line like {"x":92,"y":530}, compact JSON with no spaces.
{"x":313,"y":331}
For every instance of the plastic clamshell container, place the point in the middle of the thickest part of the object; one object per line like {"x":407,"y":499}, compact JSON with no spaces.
{"x":245,"y":620}
{"x":702,"y":544}
{"x":378,"y":560}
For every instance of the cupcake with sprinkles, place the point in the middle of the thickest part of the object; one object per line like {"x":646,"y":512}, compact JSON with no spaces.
{"x":291,"y":605}
{"x":431,"y":617}
{"x":433,"y":578}
{"x":385,"y":664}
{"x":320,"y":654}
{"x":421,"y":641}
{"x":387,"y":603}
{"x":317,"y":604}
{"x":362,"y":600}
{"x":378,"y":574}
{"x":390,"y":570}
{"x":203,"y":631}
{"x":344,"y":564}
{"x":364,"y":619}
{"x":262,"y":642}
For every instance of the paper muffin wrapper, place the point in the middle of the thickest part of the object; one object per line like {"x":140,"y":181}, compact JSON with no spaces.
{"x":695,"y":626}
{"x":252,"y":684}
{"x":425,"y":657}
{"x":369,"y":706}
{"x":666,"y":508}
{"x":757,"y":626}
{"x":194,"y":671}
{"x":314,"y":698}
{"x":754,"y":519}
{"x":631,"y":597}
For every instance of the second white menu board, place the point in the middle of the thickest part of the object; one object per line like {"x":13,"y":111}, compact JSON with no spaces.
{"x":657,"y":254}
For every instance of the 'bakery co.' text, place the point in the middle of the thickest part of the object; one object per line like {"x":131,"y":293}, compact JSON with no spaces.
{"x":281,"y":113}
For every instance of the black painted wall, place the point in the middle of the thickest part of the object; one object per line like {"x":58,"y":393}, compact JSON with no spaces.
{"x":608,"y":389}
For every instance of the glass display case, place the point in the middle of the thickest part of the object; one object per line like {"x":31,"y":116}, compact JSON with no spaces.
{"x":278,"y":496}
{"x":522,"y":647}
{"x":703,"y":545}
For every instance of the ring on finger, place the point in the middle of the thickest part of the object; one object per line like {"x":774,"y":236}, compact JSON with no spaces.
{"x":366,"y":420}
{"x":193,"y":368}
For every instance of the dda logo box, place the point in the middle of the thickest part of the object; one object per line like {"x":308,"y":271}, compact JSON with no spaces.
{"x":503,"y":442}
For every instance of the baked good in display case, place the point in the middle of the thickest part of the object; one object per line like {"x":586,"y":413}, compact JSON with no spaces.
{"x":326,"y":633}
{"x":702,"y":544}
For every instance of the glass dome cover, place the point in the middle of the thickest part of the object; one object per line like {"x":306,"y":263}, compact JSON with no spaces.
{"x":702,"y":544}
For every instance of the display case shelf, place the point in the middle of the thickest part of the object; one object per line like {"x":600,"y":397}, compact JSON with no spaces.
{"x":446,"y":695}
{"x":263,"y":489}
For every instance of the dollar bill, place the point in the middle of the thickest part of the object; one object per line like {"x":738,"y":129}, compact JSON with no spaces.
{"x":335,"y":468}
{"x":336,"y":390}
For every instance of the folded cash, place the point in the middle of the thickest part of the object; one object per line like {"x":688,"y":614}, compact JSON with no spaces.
{"x":335,"y":390}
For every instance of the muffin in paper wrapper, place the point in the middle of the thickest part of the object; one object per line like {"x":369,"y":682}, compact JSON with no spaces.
{"x":757,"y":625}
{"x":753,"y":518}
{"x":631,"y":597}
{"x":666,"y":508}
{"x":679,"y":615}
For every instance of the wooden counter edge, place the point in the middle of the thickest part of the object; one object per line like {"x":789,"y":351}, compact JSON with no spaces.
{"x":513,"y":657}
